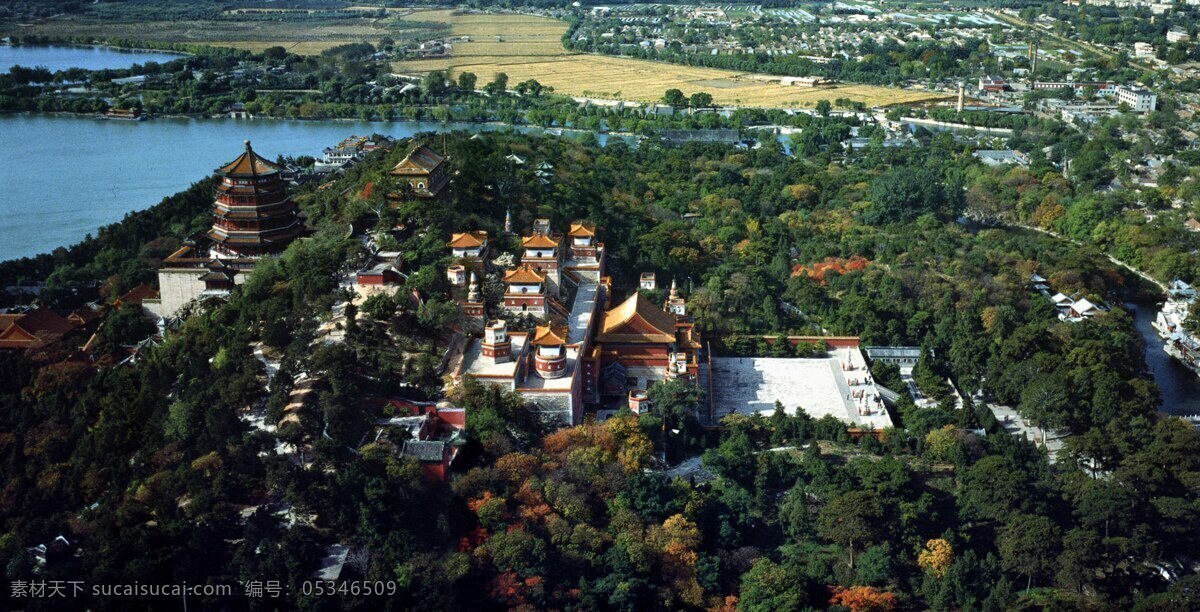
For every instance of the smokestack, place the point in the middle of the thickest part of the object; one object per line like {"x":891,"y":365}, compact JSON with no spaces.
{"x":962,"y":96}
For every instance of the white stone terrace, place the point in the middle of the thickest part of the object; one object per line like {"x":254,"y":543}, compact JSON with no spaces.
{"x":839,"y":385}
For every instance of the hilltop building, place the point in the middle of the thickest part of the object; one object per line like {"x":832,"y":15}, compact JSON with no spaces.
{"x":253,"y":217}
{"x":423,"y":171}
{"x":525,"y":292}
{"x":584,"y":255}
{"x":430,"y":433}
{"x":648,"y":281}
{"x":541,"y":252}
{"x":470,"y":249}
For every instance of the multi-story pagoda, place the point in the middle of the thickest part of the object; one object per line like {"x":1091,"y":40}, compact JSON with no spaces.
{"x":253,"y":215}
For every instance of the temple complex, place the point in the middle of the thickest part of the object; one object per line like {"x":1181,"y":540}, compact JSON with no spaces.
{"x":423,"y":172}
{"x":253,"y":216}
{"x":581,"y":355}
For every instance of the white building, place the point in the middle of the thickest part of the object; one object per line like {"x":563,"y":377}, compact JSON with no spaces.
{"x":1175,"y":35}
{"x":1139,"y":100}
{"x":1141,"y":49}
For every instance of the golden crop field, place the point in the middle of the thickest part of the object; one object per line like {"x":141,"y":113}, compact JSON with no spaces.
{"x":527,"y":47}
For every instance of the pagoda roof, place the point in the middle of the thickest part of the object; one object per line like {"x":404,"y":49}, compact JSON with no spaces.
{"x":637,"y":320}
{"x":422,"y":160}
{"x":539,"y":241}
{"x":468,"y":240}
{"x":581,"y":229}
{"x":524,"y":275}
{"x":249,"y":164}
{"x":549,"y":335}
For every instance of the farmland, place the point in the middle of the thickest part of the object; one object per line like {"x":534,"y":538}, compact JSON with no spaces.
{"x":527,"y":47}
{"x":303,"y":32}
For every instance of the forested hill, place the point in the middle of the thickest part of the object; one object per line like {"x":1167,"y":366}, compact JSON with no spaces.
{"x":153,"y":476}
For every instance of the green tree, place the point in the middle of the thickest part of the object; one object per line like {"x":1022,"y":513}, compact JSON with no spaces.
{"x":771,"y":588}
{"x":701,"y":99}
{"x":675,"y":98}
{"x":850,"y":520}
{"x":1028,"y":545}
{"x":466,"y":81}
{"x":498,"y":86}
{"x":380,"y":306}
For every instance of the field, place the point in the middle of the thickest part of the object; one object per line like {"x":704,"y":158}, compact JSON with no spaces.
{"x":526,"y":47}
{"x":300,"y":35}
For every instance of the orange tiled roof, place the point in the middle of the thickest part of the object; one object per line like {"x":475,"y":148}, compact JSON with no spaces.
{"x":539,"y":241}
{"x":467,"y":240}
{"x":549,"y":335}
{"x":637,"y":320}
{"x":581,"y":229}
{"x":524,"y":275}
{"x":248,"y":163}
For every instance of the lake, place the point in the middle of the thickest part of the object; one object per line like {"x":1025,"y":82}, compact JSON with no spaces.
{"x":57,"y":58}
{"x":64,"y":176}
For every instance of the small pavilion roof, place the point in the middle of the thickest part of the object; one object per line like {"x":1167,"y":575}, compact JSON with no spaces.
{"x":579,"y":229}
{"x":524,"y":275}
{"x":468,"y":240}
{"x":549,"y":335}
{"x":539,"y":241}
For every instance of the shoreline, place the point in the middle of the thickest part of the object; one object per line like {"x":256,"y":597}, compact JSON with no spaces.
{"x":109,"y":46}
{"x":331,"y":120}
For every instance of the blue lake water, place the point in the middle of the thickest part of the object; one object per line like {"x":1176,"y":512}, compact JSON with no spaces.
{"x":57,"y":58}
{"x":64,"y":176}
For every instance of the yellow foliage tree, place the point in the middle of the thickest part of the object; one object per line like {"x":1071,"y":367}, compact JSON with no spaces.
{"x":940,"y":443}
{"x":936,"y":557}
